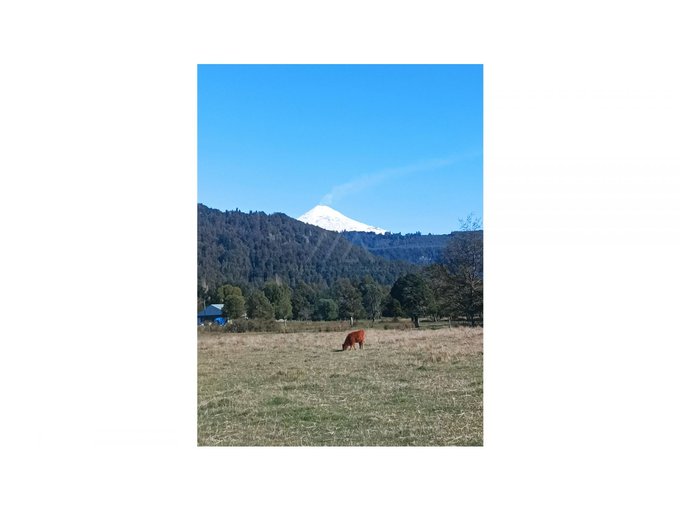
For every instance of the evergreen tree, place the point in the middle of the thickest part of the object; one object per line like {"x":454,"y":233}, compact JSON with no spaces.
{"x":440,"y":281}
{"x":325,"y":310}
{"x":279,"y":295}
{"x":391,"y":307}
{"x":259,"y":307}
{"x":234,"y":306}
{"x":414,"y":296}
{"x":232,"y":298}
{"x":372,"y":296}
{"x":304,"y":297}
{"x":348,"y":298}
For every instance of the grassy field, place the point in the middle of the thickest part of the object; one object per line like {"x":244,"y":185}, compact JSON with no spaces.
{"x":411,"y":387}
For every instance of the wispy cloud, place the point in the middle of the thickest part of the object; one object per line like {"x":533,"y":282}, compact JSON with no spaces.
{"x":372,"y":179}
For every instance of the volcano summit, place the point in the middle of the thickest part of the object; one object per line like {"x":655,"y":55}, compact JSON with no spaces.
{"x":330,"y":219}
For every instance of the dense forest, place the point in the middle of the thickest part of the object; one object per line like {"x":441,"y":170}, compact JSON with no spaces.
{"x":414,"y":248}
{"x":267,"y":267}
{"x":253,"y":248}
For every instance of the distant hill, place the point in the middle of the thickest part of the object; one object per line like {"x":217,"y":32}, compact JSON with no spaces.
{"x":413,"y":248}
{"x":251,"y":248}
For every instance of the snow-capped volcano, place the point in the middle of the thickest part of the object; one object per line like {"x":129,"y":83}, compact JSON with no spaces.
{"x":330,"y":219}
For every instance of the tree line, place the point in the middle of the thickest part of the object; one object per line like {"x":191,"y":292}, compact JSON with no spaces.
{"x":413,"y":248}
{"x":451,"y":289}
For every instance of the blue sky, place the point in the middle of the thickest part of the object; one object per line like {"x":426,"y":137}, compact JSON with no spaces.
{"x":395,"y":146}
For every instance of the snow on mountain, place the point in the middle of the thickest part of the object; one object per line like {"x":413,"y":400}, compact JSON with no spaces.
{"x":330,"y":219}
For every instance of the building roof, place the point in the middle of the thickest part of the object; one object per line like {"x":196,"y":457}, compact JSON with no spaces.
{"x":211,"y":310}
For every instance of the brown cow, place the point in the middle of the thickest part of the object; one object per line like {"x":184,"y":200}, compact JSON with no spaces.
{"x":353,"y":338}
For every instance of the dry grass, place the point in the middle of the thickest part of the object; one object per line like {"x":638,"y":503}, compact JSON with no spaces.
{"x":404,"y":388}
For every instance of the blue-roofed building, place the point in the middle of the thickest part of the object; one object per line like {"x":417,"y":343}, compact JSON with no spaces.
{"x":210,"y":313}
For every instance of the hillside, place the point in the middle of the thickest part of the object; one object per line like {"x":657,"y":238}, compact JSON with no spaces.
{"x":414,"y":248}
{"x":251,"y":248}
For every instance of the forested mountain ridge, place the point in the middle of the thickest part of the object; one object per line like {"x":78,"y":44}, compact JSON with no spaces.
{"x":252,"y":248}
{"x":414,"y":248}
